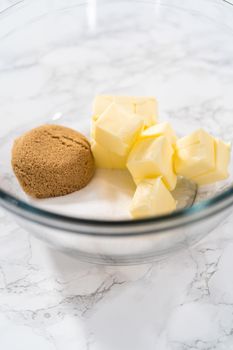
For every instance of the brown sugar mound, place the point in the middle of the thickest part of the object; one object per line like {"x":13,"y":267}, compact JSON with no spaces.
{"x":52,"y":160}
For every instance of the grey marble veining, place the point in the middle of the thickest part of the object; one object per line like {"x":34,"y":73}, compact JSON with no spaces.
{"x":50,"y":301}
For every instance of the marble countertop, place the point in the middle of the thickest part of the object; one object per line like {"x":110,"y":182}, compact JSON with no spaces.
{"x":50,"y":301}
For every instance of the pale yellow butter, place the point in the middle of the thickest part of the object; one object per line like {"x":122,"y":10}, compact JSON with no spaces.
{"x":152,"y":157}
{"x":117,"y":129}
{"x":222,"y":160}
{"x":146,"y":107}
{"x":152,"y":198}
{"x":161,"y":129}
{"x":195,"y":154}
{"x":102,"y":102}
{"x":105,"y":159}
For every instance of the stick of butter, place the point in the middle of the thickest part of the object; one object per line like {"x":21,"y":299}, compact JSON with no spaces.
{"x":161,"y":129}
{"x":117,"y":129}
{"x":146,"y":107}
{"x":152,"y":157}
{"x":195,"y":154}
{"x":151,"y":198}
{"x":222,"y":160}
{"x":106,"y":159}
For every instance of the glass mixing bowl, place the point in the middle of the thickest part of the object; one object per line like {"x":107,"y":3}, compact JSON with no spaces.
{"x":55,"y":56}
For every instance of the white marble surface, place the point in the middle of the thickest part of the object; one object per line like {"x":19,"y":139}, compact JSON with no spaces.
{"x":49,"y":301}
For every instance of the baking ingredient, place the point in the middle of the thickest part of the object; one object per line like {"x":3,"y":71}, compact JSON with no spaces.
{"x":152,"y":198}
{"x":102,"y":102}
{"x":160,"y":129}
{"x":195,"y":155}
{"x":222,"y":160}
{"x":52,"y":160}
{"x":146,"y":107}
{"x":117,"y":129}
{"x":106,"y":159}
{"x":150,"y":158}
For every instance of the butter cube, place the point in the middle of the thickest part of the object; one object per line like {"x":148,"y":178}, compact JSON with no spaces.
{"x":146,"y":107}
{"x":117,"y":129}
{"x":161,"y":129}
{"x":105,"y":159}
{"x":152,"y":198}
{"x":195,"y":154}
{"x":93,"y":130}
{"x":222,"y":160}
{"x":102,"y":102}
{"x":150,"y":158}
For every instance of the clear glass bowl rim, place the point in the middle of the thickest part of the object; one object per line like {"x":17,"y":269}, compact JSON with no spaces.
{"x":197,"y":212}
